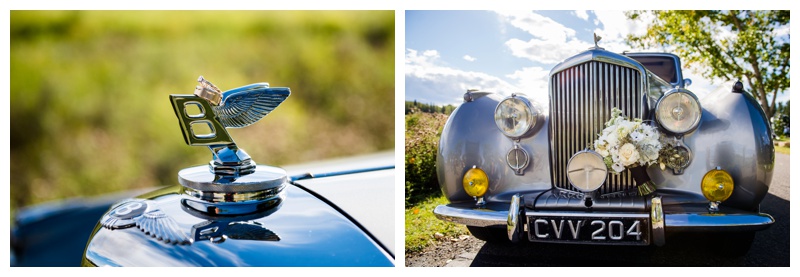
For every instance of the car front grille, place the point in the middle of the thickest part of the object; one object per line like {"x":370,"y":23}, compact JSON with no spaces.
{"x":581,"y":99}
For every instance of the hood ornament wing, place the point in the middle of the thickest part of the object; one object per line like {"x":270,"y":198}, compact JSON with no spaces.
{"x":596,"y":40}
{"x":147,"y":217}
{"x":231,"y":175}
{"x":242,"y":106}
{"x":215,"y":111}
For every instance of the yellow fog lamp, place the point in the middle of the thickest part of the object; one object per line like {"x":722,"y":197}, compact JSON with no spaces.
{"x":476,"y":183}
{"x":717,"y":186}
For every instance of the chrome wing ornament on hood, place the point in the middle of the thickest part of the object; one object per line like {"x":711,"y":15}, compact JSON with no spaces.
{"x":231,"y":176}
{"x":204,"y":116}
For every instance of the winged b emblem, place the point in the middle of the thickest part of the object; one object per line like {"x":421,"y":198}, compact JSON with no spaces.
{"x":242,"y":106}
{"x":214,"y":111}
{"x":147,"y":217}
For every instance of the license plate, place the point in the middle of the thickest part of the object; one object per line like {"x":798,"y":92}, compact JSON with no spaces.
{"x":628,"y":229}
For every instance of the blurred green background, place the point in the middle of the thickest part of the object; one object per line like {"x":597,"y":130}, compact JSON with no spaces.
{"x":89,"y":91}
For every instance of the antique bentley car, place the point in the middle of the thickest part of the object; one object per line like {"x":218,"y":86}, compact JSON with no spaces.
{"x":519,"y":168}
{"x":229,"y":212}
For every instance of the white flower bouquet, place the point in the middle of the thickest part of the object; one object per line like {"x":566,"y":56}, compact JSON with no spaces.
{"x":629,"y":144}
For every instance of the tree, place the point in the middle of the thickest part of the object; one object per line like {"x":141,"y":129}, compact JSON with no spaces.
{"x":730,"y":45}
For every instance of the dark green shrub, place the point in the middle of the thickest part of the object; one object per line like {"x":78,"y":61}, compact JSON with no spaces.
{"x":422,"y":141}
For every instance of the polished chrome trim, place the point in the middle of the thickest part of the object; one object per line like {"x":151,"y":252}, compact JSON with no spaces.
{"x":472,"y":216}
{"x":311,"y":175}
{"x":581,"y":98}
{"x":231,"y":208}
{"x":657,"y":221}
{"x":263,"y":178}
{"x":586,"y":214}
{"x":591,"y":153}
{"x":679,"y":170}
{"x":713,"y":206}
{"x":223,"y":197}
{"x":718,"y":222}
{"x":520,"y":159}
{"x":482,"y":217}
{"x":468,"y":96}
{"x":691,"y":95}
{"x":474,"y":94}
{"x":598,"y":55}
{"x":512,"y":224}
{"x":534,"y":110}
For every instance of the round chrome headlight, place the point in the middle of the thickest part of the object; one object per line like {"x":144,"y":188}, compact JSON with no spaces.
{"x":678,"y":111}
{"x":516,"y":116}
{"x":586,"y":170}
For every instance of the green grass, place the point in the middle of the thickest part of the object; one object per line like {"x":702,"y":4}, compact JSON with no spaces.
{"x":782,"y":149}
{"x":422,"y":188}
{"x":89,"y":91}
{"x":422,"y":224}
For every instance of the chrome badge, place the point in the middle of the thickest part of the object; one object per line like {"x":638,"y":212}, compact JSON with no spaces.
{"x":204,"y":116}
{"x":147,"y":217}
{"x":232,"y":183}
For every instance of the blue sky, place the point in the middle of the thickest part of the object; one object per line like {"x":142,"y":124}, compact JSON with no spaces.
{"x":448,"y":52}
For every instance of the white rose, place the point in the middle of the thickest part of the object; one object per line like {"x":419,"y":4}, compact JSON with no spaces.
{"x":628,"y":154}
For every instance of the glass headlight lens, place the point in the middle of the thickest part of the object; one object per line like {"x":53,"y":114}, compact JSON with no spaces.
{"x":475,"y":182}
{"x":587,"y":171}
{"x":717,"y":185}
{"x":678,"y":112}
{"x":516,"y":115}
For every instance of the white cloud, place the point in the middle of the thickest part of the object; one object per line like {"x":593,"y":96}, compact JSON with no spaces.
{"x":469,"y":58}
{"x":546,"y":51}
{"x":616,"y":26}
{"x":430,"y":82}
{"x":537,"y":25}
{"x":532,"y":81}
{"x":582,"y":14}
{"x":552,"y":42}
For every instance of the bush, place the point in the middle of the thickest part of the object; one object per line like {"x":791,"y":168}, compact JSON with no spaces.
{"x":422,"y":142}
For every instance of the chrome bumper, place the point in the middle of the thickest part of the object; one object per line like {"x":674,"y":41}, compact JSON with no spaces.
{"x":661,"y":220}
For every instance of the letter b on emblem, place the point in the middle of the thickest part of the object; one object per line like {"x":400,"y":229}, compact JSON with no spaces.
{"x":198,"y":121}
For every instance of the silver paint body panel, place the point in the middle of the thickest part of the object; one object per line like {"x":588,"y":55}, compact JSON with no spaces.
{"x":733,"y":134}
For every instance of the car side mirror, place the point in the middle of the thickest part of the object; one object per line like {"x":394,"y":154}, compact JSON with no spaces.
{"x":687,"y":82}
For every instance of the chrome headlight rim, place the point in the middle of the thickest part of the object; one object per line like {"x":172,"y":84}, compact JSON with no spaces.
{"x":600,"y":165}
{"x":532,"y":113}
{"x":662,"y":101}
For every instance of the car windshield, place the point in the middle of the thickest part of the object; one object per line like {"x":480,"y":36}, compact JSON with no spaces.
{"x":662,"y":66}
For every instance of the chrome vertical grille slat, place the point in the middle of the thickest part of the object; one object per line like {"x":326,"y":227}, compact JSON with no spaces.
{"x":581,"y":99}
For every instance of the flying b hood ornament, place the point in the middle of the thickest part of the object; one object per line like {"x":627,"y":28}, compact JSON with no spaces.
{"x":230,"y":187}
{"x":215,"y":111}
{"x":231,"y":176}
